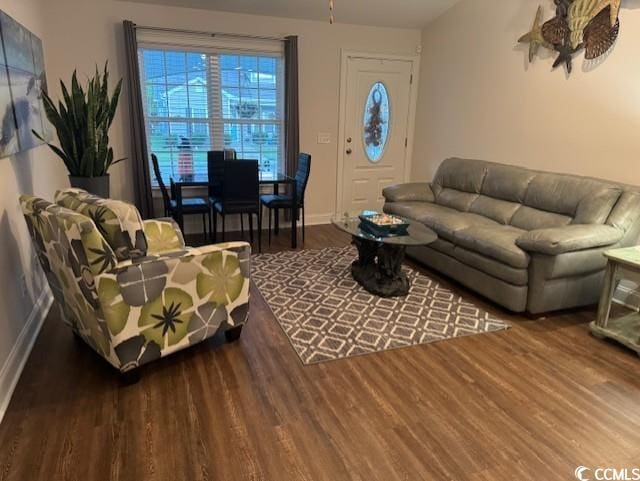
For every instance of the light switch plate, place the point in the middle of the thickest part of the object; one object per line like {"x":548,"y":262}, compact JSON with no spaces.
{"x":324,"y":137}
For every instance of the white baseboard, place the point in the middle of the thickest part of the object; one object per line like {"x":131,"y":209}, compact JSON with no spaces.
{"x":10,"y":372}
{"x":318,"y":219}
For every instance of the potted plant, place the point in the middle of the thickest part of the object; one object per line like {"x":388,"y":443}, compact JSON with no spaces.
{"x":82,"y":124}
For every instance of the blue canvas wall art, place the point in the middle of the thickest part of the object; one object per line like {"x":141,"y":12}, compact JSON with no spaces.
{"x":22,"y":80}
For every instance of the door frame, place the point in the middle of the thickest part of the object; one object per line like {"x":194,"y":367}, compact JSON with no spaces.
{"x":347,"y":54}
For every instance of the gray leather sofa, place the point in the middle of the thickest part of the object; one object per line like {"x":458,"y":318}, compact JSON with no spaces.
{"x":528,"y":240}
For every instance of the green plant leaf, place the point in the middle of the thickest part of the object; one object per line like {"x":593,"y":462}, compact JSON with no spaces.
{"x":82,"y":120}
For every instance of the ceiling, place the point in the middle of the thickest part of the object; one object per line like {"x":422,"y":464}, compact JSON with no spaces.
{"x":384,"y":13}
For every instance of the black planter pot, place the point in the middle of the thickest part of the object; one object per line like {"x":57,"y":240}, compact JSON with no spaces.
{"x":95,"y":185}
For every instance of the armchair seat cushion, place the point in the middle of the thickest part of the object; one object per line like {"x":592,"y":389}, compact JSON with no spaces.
{"x":497,"y":242}
{"x":569,"y":238}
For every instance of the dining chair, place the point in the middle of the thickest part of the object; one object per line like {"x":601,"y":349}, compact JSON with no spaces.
{"x":171,"y":203}
{"x":215,"y":171}
{"x":277,"y":202}
{"x":240,"y":195}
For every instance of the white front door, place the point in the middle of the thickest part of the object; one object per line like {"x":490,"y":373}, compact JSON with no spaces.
{"x":375,"y":136}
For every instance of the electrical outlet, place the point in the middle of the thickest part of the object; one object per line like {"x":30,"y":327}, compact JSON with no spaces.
{"x":324,"y":137}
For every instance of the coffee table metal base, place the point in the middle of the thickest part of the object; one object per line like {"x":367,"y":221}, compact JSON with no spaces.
{"x":379,"y":268}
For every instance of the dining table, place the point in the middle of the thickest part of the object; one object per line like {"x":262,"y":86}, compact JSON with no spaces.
{"x":273,"y":179}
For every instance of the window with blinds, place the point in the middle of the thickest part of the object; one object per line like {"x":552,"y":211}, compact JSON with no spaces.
{"x":196,"y":100}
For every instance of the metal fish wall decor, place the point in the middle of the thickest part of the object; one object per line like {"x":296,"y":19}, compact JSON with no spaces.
{"x":592,"y":25}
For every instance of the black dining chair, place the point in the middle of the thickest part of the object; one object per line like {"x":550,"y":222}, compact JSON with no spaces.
{"x":171,"y":203}
{"x":277,"y":202}
{"x":240,"y":195}
{"x":215,"y":171}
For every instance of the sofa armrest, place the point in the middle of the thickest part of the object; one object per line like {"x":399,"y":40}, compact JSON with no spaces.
{"x":558,"y":240}
{"x":160,"y":304}
{"x":163,"y":235}
{"x":414,"y":192}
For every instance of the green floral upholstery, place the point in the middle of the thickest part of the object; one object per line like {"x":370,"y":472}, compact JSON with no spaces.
{"x":163,"y":235}
{"x":137,"y":310}
{"x":119,"y":222}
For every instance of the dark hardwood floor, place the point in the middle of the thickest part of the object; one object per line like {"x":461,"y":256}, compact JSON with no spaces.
{"x":533,"y":402}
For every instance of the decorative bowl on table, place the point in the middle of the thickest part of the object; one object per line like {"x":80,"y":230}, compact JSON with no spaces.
{"x":383,"y":225}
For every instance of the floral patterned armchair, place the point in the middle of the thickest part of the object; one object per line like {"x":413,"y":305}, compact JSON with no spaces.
{"x":131,"y":289}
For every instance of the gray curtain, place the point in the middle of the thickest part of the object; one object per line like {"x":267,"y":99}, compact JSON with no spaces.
{"x":139,"y":155}
{"x":291,"y":105}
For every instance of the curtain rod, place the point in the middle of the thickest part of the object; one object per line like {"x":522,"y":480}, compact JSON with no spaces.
{"x":207,"y":34}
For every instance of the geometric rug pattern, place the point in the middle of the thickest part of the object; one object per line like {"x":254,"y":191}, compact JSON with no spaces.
{"x":328,"y":316}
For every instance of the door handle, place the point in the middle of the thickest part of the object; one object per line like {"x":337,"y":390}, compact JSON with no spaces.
{"x":349,"y":151}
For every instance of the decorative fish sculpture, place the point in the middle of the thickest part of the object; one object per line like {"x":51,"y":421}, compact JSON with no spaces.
{"x":599,"y":35}
{"x":581,"y":12}
{"x":556,"y":31}
{"x":613,"y":13}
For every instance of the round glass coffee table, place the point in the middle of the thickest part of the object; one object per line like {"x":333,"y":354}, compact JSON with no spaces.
{"x":379,"y":265}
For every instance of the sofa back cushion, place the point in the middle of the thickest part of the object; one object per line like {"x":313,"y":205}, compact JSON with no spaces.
{"x":588,"y":201}
{"x":524,"y":198}
{"x":458,"y":183}
{"x":626,"y":211}
{"x":499,"y":210}
{"x":119,"y":222}
{"x":506,"y":182}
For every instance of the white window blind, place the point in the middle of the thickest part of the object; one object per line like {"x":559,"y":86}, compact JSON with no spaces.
{"x":202,"y":94}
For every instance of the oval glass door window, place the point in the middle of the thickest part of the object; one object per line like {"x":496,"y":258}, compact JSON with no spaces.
{"x":376,"y":122}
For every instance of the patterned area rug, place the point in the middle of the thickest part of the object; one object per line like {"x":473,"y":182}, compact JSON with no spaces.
{"x":328,"y":316}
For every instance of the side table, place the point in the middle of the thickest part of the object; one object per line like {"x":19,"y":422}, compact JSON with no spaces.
{"x":625,"y":329}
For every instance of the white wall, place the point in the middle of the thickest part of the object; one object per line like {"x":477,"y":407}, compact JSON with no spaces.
{"x":480,"y":98}
{"x":34,"y":171}
{"x":98,"y":36}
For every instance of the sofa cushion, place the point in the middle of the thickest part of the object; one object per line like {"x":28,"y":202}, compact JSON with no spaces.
{"x":443,"y":220}
{"x":447,"y":226}
{"x":415,"y":210}
{"x":596,"y":207}
{"x":501,"y":211}
{"x":456,"y":199}
{"x":563,"y":194}
{"x":497,"y":242}
{"x":626,"y":211}
{"x":528,"y":218}
{"x":119,"y":222}
{"x":507,"y":182}
{"x":414,"y":192}
{"x":493,"y":267}
{"x":460,"y":174}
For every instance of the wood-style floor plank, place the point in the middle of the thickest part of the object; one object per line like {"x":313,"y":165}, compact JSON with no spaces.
{"x":532,"y":402}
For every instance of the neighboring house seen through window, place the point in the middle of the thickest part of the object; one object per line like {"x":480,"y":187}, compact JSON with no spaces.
{"x":200,"y":101}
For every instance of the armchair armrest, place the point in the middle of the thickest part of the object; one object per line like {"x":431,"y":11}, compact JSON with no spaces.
{"x":414,"y":192}
{"x":156,"y":305}
{"x":163,"y":235}
{"x":576,"y":237}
